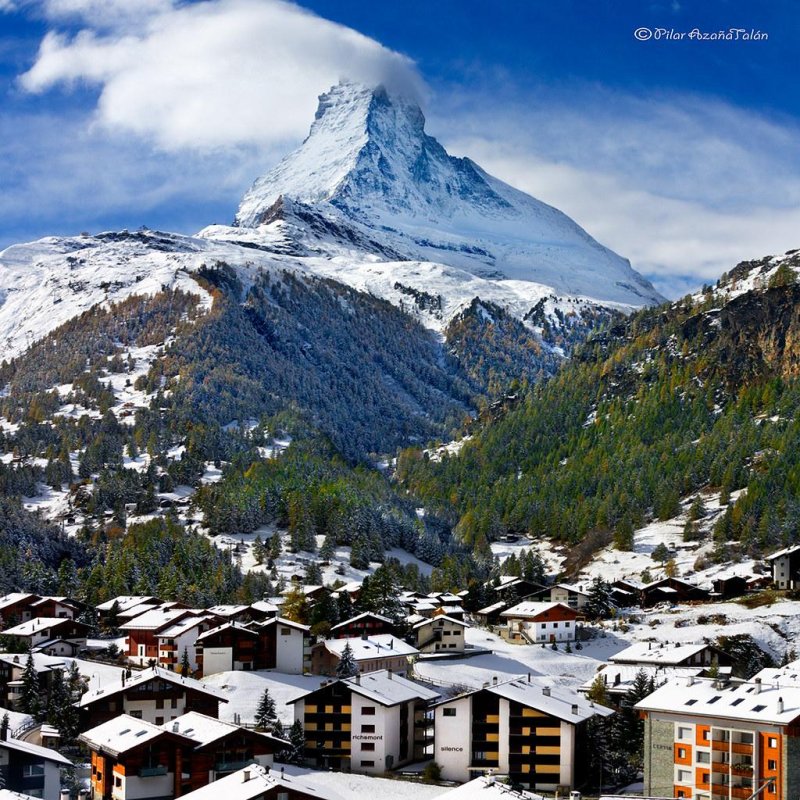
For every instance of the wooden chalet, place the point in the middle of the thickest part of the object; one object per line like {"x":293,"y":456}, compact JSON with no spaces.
{"x":672,"y":590}
{"x":154,"y":695}
{"x":366,"y":624}
{"x":143,"y":631}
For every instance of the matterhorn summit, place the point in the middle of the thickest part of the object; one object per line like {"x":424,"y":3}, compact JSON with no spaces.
{"x":370,"y":170}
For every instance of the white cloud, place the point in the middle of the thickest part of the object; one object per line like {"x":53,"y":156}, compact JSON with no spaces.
{"x":683,"y":186}
{"x":213,"y":74}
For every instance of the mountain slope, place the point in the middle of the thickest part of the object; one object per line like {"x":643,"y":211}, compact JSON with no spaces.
{"x":368,"y":164}
{"x":703,"y":394}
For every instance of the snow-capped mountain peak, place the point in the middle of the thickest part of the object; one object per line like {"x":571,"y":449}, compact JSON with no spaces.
{"x":368,"y":165}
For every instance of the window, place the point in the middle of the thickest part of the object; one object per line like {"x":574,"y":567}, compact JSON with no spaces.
{"x":566,"y":624}
{"x":368,"y":711}
{"x":160,"y":702}
{"x":174,"y":702}
{"x":367,"y":763}
{"x":286,"y":631}
{"x":681,"y":793}
{"x":772,"y":764}
{"x":681,"y":752}
{"x":703,"y":758}
{"x":369,"y":746}
{"x":159,"y":720}
{"x":449,"y":712}
{"x":684,"y":733}
{"x":283,"y":796}
{"x":555,"y":624}
{"x":367,"y":729}
{"x":136,"y":714}
{"x":772,"y":742}
{"x":117,"y":781}
{"x":446,"y":633}
{"x":684,"y":776}
{"x":32,"y":770}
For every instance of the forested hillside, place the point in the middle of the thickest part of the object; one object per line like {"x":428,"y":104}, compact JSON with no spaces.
{"x":700,"y":394}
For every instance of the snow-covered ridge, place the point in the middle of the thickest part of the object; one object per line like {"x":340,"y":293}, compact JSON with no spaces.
{"x":369,"y":163}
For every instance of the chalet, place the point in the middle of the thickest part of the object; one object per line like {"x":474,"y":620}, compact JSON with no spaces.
{"x":144,"y":629}
{"x":133,"y":759}
{"x":511,"y":588}
{"x":55,"y":636}
{"x":231,"y":613}
{"x":534,"y":734}
{"x":155,"y":695}
{"x":569,"y":595}
{"x":619,"y":679}
{"x":626,"y":593}
{"x":454,"y":611}
{"x":491,"y":614}
{"x":12,"y":667}
{"x":539,"y":622}
{"x":368,"y":624}
{"x":261,"y":783}
{"x":732,"y":586}
{"x":180,"y":639}
{"x":707,"y":738}
{"x":785,"y":568}
{"x":664,"y":654}
{"x":672,"y":590}
{"x":56,"y":607}
{"x":263,"y":609}
{"x":440,"y":634}
{"x":275,"y":643}
{"x":383,"y":651}
{"x":29,"y":768}
{"x":369,"y":723}
{"x":108,"y":612}
{"x":15,"y":608}
{"x":221,"y":748}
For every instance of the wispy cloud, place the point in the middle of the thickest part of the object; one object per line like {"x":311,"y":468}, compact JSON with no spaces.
{"x":222,"y":73}
{"x":683,"y":186}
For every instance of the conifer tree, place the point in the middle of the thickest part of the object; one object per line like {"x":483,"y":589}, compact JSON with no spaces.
{"x":347,"y":666}
{"x":297,"y":739}
{"x":186,"y":667}
{"x":30,"y":700}
{"x":266,"y":716}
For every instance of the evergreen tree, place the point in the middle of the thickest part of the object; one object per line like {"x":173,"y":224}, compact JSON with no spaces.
{"x":295,"y":606}
{"x":186,"y":667}
{"x":347,"y":666}
{"x":599,"y":604}
{"x":297,"y":739}
{"x":30,"y":699}
{"x":266,"y":715}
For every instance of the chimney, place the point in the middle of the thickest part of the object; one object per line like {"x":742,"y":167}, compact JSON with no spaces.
{"x":282,"y":772}
{"x":358,"y":678}
{"x":574,"y":708}
{"x":494,"y":680}
{"x":389,"y":674}
{"x":780,"y":705}
{"x":364,"y":635}
{"x":546,"y":691}
{"x":175,"y":727}
{"x":758,"y":685}
{"x":529,"y":677}
{"x":245,"y":775}
{"x":690,"y":680}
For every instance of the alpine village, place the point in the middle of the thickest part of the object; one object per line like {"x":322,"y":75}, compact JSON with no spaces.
{"x":400,"y":485}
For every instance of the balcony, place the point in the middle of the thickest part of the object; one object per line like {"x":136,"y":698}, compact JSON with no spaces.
{"x":721,"y":766}
{"x":721,"y":745}
{"x":741,"y":791}
{"x":742,"y":748}
{"x":744,"y":770}
{"x":231,"y":766}
{"x":152,"y":772}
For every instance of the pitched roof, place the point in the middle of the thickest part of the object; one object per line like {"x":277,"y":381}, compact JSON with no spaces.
{"x":487,"y":788}
{"x":787,"y":551}
{"x":235,"y":626}
{"x":363,"y":615}
{"x":124,"y":733}
{"x":289,"y":623}
{"x":34,"y":750}
{"x":747,"y":700}
{"x":154,"y":618}
{"x":432,"y":621}
{"x":533,"y":608}
{"x":661,"y":653}
{"x":255,"y":781}
{"x":147,"y":675}
{"x":125,"y":601}
{"x":184,"y":625}
{"x":38,"y":624}
{"x":204,"y":729}
{"x":381,"y":645}
{"x":557,"y":701}
{"x":13,"y":598}
{"x":383,"y":687}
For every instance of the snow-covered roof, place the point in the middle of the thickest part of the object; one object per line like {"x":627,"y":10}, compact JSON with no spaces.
{"x":381,"y":645}
{"x":618,"y":678}
{"x":487,"y":788}
{"x":662,"y":653}
{"x":147,"y":675}
{"x":265,"y":607}
{"x":36,"y":750}
{"x":237,"y":626}
{"x":227,"y":610}
{"x":570,"y":587}
{"x":383,"y":687}
{"x":13,"y":598}
{"x":204,"y":729}
{"x":41,"y":662}
{"x":254,"y":781}
{"x":498,"y":606}
{"x":747,"y":700}
{"x":289,"y":623}
{"x":534,"y":608}
{"x":453,"y":609}
{"x":38,"y":624}
{"x":7,"y":794}
{"x":433,"y":621}
{"x":154,"y":618}
{"x":182,"y":626}
{"x":124,"y":733}
{"x":125,"y":602}
{"x":787,"y":551}
{"x":363,"y":615}
{"x":557,"y":701}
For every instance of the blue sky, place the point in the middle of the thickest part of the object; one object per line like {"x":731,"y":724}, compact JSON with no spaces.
{"x":681,"y":154}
